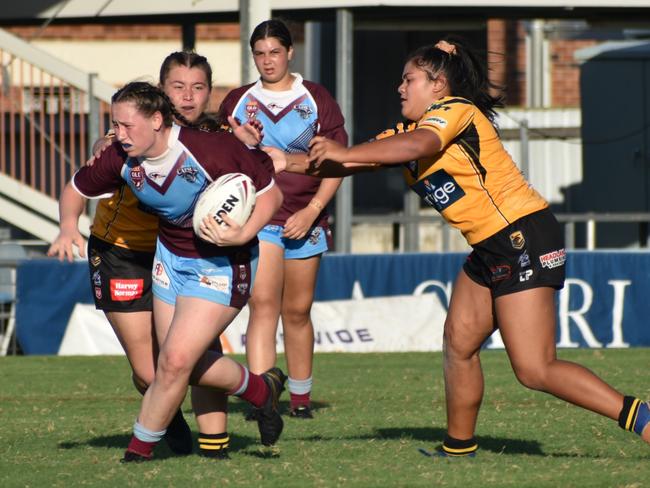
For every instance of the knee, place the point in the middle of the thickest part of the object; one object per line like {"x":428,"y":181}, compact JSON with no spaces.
{"x":172,"y":365}
{"x":263,"y":303}
{"x":531,"y":376}
{"x":456,"y":347}
{"x":141,"y":381}
{"x":296,"y":315}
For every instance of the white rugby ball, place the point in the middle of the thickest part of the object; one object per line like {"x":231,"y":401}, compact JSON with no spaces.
{"x":232,"y":194}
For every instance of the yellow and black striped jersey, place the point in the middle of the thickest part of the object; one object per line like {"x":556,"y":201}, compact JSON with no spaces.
{"x":473,"y":182}
{"x":120,"y":222}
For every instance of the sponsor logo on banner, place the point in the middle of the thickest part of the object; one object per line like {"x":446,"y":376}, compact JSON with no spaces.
{"x":517,"y":240}
{"x":439,"y":190}
{"x":159,"y":275}
{"x":553,"y":259}
{"x":216,"y":283}
{"x":124,"y":290}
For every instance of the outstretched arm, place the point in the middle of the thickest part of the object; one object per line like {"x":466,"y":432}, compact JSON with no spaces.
{"x":298,"y":163}
{"x":396,"y":149}
{"x":71,"y":206}
{"x":327,"y":158}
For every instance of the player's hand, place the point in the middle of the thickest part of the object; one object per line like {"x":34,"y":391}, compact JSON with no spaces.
{"x":64,"y":244}
{"x":99,"y":147}
{"x":297,"y":226}
{"x":251,"y":133}
{"x":231,"y":234}
{"x":322,"y":149}
{"x":278,"y":156}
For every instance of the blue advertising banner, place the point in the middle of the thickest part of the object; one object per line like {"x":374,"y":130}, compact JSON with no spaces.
{"x":605,"y":301}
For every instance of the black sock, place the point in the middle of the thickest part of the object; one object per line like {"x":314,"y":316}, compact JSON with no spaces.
{"x":214,"y":445}
{"x":635,"y":415}
{"x":457,"y":447}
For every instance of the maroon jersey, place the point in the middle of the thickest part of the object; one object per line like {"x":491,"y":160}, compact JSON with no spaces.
{"x":291,"y":119}
{"x":170,"y":185}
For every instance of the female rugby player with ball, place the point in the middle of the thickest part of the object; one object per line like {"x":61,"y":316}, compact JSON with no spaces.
{"x":199,"y":282}
{"x":121,"y":251}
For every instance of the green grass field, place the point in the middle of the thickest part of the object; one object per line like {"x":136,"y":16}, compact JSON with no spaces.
{"x":66,"y":421}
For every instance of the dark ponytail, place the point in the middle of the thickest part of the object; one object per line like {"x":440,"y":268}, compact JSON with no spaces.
{"x":466,"y":73}
{"x":150,"y":99}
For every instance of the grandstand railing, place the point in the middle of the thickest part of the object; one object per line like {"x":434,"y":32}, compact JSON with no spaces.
{"x":406,"y":227}
{"x":50,"y":112}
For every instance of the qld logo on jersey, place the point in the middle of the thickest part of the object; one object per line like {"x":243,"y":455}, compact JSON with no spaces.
{"x":137,"y":177}
{"x":251,"y":109}
{"x":439,"y":190}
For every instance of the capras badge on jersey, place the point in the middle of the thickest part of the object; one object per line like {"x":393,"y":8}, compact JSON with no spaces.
{"x":438,"y":189}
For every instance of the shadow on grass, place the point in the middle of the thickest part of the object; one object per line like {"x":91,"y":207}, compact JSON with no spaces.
{"x":498,"y":445}
{"x":242,"y":407}
{"x":493,"y":444}
{"x":238,"y":444}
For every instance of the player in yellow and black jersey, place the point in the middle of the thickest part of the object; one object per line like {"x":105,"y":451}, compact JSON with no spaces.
{"x":457,"y":164}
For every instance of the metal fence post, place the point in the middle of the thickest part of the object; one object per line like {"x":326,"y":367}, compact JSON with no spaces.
{"x":344,"y":50}
{"x":93,"y":128}
{"x":524,"y":149}
{"x":411,"y":224}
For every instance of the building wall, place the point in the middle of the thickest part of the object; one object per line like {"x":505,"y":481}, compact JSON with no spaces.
{"x":120,"y":53}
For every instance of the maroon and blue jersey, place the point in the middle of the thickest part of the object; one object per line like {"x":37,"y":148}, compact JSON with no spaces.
{"x":291,"y":119}
{"x":169,"y":185}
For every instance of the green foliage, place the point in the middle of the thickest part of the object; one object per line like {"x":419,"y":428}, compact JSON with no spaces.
{"x":66,"y":421}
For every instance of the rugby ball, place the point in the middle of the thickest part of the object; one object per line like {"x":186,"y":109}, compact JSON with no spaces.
{"x":232,"y":194}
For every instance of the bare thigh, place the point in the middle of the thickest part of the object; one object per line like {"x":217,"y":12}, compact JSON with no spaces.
{"x":527,"y":324}
{"x":136,"y":333}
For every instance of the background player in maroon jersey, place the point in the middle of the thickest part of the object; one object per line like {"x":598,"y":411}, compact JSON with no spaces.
{"x":292,"y":111}
{"x":517,"y":263}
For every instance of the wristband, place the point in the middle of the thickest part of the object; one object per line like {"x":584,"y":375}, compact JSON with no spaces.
{"x":316,"y":204}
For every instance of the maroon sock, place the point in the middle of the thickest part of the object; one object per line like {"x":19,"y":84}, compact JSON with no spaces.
{"x":298,"y":399}
{"x":257,"y":391}
{"x":142,"y":448}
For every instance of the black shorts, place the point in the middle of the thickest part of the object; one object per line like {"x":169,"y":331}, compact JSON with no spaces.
{"x":529,"y":253}
{"x":120,"y":278}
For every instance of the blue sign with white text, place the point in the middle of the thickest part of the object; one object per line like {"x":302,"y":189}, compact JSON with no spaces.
{"x":605,"y":301}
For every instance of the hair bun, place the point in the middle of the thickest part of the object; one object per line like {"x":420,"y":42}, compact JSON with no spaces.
{"x":446,"y":47}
